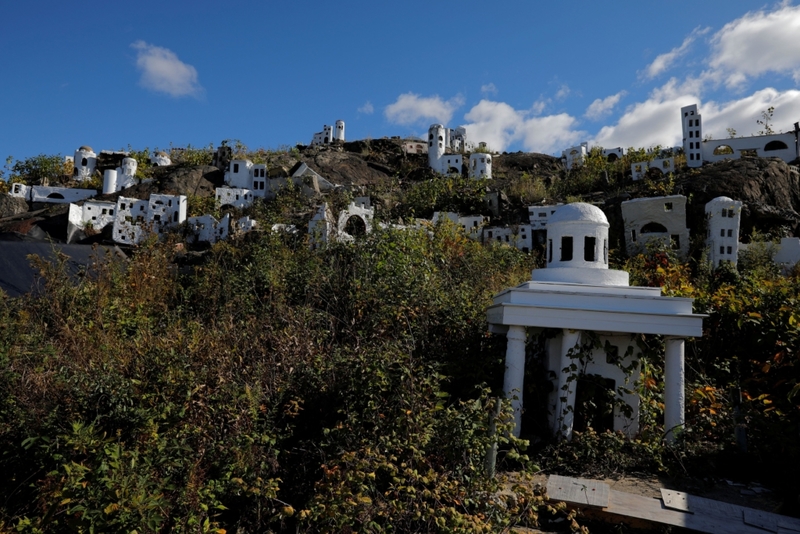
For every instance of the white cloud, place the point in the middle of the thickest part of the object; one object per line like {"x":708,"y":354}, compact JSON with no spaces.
{"x":652,"y":122}
{"x":664,"y":61}
{"x":410,"y":108}
{"x":163,"y":72}
{"x":603,"y":107}
{"x":757,"y":43}
{"x":367,"y":108}
{"x":741,"y":114}
{"x":489,"y":89}
{"x":563,"y":92}
{"x":499,"y":125}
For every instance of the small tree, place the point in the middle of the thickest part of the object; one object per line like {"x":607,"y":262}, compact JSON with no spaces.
{"x":766,"y":121}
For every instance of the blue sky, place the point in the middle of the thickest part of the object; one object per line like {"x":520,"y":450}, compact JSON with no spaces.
{"x":522,"y":75}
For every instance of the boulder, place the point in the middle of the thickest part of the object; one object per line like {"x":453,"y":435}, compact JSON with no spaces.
{"x":199,"y":181}
{"x":10,"y":206}
{"x":768,"y":188}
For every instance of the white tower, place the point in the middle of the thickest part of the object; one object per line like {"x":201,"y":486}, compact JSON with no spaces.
{"x":723,"y":216}
{"x":85,"y":161}
{"x":692,"y":135}
{"x":109,"y":181}
{"x":436,"y":141}
{"x":480,"y":166}
{"x":338,"y":133}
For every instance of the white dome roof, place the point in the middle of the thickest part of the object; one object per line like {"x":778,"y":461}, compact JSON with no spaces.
{"x":723,"y":199}
{"x":578,"y":212}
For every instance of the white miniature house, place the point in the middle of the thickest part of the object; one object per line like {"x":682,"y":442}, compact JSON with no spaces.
{"x":656,"y":218}
{"x":84,"y":161}
{"x":438,"y":143}
{"x":723,"y":216}
{"x":134,"y":217}
{"x":577,"y":292}
{"x":573,"y":157}
{"x":480,"y":166}
{"x":329,"y":134}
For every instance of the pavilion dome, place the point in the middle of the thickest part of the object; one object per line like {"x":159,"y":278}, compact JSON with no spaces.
{"x":578,"y":212}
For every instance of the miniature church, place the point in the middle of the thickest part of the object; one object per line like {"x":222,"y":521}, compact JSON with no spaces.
{"x":576,"y":293}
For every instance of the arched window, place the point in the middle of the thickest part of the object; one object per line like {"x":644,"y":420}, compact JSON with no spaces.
{"x":612,"y":158}
{"x":775,"y":145}
{"x":723,"y":150}
{"x":653,"y":228}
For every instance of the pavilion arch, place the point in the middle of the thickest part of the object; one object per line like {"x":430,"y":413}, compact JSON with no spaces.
{"x":56,"y":196}
{"x":723,"y":150}
{"x":653,"y":228}
{"x":775,"y":145}
{"x":612,"y":158}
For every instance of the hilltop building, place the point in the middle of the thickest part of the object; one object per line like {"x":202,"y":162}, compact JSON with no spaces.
{"x":656,"y":219}
{"x":699,"y":150}
{"x":723,"y":216}
{"x":329,"y":134}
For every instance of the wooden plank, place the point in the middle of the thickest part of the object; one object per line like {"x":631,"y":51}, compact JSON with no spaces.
{"x":760,"y":519}
{"x":578,"y":491}
{"x":626,"y":504}
{"x":676,"y":500}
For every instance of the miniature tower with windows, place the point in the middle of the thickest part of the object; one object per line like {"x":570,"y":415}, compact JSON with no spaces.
{"x":84,"y":162}
{"x":723,"y":216}
{"x":338,"y":132}
{"x":692,"y":135}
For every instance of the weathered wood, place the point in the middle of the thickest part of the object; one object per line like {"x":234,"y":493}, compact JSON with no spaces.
{"x":578,"y":490}
{"x":675,"y":499}
{"x":761,"y":519}
{"x":674,"y":508}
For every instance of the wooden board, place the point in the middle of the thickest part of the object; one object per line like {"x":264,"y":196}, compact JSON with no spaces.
{"x":760,"y":519}
{"x":578,"y":490}
{"x":675,"y":508}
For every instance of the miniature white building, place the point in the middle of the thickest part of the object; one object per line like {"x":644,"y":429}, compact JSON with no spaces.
{"x":578,"y":292}
{"x":329,"y":134}
{"x":84,"y":161}
{"x":613,"y":154}
{"x":692,"y":135}
{"x":338,"y":132}
{"x":50,"y":195}
{"x":782,"y":145}
{"x":239,"y":173}
{"x":109,"y":181}
{"x":573,"y":157}
{"x":663,"y":165}
{"x":134,"y":218}
{"x":519,"y":236}
{"x":206,"y":229}
{"x":723,"y":216}
{"x":480,"y":166}
{"x":438,"y":160}
{"x":94,"y":214}
{"x":320,"y":228}
{"x":236,"y":197}
{"x":656,"y":218}
{"x":539,"y":215}
{"x":126,"y":174}
{"x":415,"y":146}
{"x":160,"y":159}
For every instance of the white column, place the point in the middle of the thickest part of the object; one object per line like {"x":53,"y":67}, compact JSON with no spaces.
{"x":674,"y":393}
{"x":515,"y":372}
{"x":565,"y":399}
